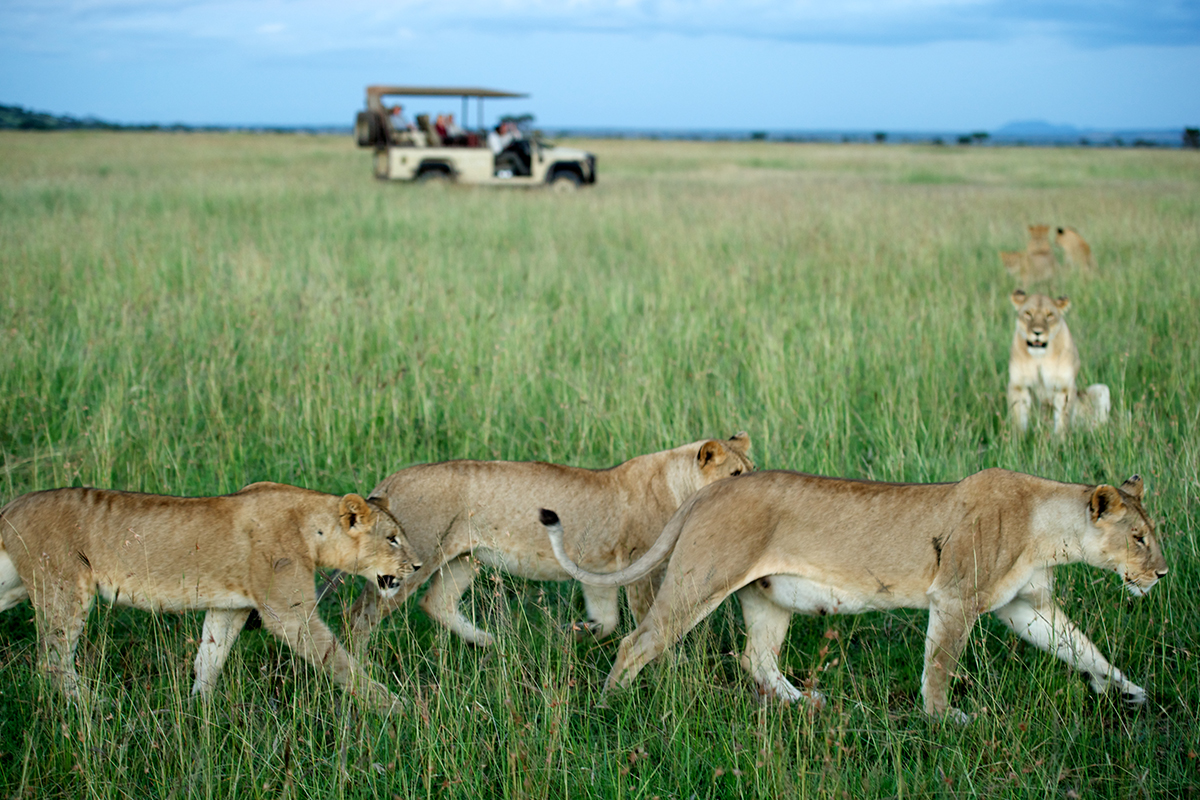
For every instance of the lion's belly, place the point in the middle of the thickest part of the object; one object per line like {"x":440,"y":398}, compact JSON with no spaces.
{"x":805,"y":596}
{"x":170,"y":596}
{"x":531,"y":564}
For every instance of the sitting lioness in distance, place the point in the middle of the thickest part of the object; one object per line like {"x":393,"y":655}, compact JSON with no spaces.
{"x":1076,"y":249}
{"x":458,"y":512}
{"x":1039,"y":255}
{"x":1042,"y":364}
{"x":254,"y":549}
{"x":789,"y":543}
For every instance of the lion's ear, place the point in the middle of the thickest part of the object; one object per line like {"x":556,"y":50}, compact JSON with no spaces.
{"x":1133,"y":487}
{"x":1062,"y":303}
{"x":740,"y":441}
{"x":1106,"y":503}
{"x":1018,"y":298}
{"x":356,"y":516}
{"x":711,"y":452}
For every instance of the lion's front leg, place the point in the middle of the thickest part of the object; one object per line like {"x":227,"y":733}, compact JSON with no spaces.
{"x":949,"y":626}
{"x":603,"y":604}
{"x":441,"y":600}
{"x":1020,"y":401}
{"x":304,"y":631}
{"x":220,"y":631}
{"x":1062,"y":410}
{"x":1045,"y":625}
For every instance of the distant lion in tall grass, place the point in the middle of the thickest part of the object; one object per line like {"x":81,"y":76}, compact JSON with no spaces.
{"x":1042,"y":365}
{"x":1076,"y":250}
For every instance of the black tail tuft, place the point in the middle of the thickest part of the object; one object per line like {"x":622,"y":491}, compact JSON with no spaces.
{"x":548,"y":517}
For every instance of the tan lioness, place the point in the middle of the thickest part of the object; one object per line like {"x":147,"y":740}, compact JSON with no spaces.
{"x":254,"y":549}
{"x":459,"y":512}
{"x":1042,"y":364}
{"x":789,"y":543}
{"x":1076,"y":250}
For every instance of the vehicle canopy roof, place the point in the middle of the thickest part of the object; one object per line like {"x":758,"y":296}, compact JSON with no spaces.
{"x":377,"y":92}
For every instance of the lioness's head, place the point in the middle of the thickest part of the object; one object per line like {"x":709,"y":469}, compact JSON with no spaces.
{"x":1039,"y":234}
{"x":375,"y":544}
{"x":1039,"y":320}
{"x":723,"y":459}
{"x":1122,"y":536}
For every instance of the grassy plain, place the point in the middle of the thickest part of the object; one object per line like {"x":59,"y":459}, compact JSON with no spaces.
{"x":189,"y":313}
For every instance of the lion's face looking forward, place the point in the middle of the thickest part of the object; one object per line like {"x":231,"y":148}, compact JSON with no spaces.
{"x":1039,"y":319}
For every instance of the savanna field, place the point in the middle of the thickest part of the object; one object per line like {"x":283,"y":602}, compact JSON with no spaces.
{"x":186,"y":314}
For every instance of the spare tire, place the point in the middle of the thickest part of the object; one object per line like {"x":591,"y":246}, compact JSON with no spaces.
{"x":367,"y":129}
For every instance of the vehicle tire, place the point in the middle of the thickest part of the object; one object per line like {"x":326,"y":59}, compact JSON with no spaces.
{"x":435,"y":177}
{"x":565,"y":181}
{"x":366,"y":129}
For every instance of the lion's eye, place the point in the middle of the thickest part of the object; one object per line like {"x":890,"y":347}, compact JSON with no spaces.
{"x":392,"y":541}
{"x":1137,"y":537}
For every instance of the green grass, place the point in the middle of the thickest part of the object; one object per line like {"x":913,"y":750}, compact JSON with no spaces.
{"x":187,"y":314}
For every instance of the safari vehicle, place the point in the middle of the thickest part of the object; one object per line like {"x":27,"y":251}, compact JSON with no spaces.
{"x":419,"y":152}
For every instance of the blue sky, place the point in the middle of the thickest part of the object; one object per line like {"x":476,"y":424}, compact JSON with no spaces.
{"x":853,"y":65}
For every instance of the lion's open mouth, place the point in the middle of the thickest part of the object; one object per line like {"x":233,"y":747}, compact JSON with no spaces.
{"x":1032,"y":343}
{"x":1136,"y":589}
{"x":388,"y":582}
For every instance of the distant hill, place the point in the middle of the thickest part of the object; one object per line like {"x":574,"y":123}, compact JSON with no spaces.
{"x":1036,"y":128}
{"x":24,"y":119}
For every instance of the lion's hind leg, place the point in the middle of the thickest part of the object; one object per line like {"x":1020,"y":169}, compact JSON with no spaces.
{"x":676,"y":611}
{"x":220,"y":631}
{"x":61,"y":614}
{"x":766,"y":628}
{"x":1045,"y":625}
{"x":603,"y":604}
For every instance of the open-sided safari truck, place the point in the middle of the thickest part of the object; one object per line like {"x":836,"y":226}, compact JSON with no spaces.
{"x":422,"y":151}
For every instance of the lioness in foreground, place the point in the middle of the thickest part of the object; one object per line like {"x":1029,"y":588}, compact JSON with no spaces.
{"x":459,"y":512}
{"x":788,"y":543}
{"x":254,"y":549}
{"x":1042,"y":364}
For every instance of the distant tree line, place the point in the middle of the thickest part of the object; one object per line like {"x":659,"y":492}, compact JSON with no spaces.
{"x":22,"y":119}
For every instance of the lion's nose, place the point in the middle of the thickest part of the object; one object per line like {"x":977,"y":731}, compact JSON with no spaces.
{"x":387,"y":581}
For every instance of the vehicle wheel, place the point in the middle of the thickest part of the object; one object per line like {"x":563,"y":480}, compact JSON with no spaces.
{"x":366,"y":129}
{"x":434,"y":177}
{"x":565,"y":182}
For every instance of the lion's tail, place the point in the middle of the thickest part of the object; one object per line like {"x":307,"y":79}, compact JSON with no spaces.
{"x":1095,"y":403}
{"x":639,"y":569}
